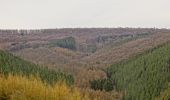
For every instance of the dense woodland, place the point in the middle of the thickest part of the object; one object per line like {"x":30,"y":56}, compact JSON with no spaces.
{"x":143,"y":77}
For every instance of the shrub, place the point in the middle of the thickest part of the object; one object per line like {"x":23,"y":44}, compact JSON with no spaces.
{"x":102,"y":84}
{"x":24,"y":88}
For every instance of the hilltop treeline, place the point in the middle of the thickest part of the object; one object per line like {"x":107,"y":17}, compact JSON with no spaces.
{"x":85,"y":30}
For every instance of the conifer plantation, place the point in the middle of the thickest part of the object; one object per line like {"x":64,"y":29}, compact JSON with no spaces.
{"x":145,"y":76}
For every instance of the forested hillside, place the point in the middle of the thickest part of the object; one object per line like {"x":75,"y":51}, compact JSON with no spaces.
{"x":10,"y":64}
{"x":143,"y":77}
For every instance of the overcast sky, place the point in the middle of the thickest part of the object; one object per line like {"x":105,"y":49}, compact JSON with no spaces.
{"x":33,"y":14}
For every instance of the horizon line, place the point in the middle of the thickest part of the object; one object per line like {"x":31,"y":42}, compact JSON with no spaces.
{"x":84,"y":28}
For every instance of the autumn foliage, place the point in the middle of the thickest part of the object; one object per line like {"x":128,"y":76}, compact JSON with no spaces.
{"x":24,"y":88}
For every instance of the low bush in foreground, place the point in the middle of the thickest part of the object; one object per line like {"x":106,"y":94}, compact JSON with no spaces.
{"x":31,"y":88}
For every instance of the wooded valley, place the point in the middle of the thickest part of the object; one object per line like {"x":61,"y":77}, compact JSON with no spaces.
{"x":85,"y":64}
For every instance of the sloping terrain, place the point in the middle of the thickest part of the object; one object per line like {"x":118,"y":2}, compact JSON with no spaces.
{"x":20,"y":79}
{"x":112,"y":45}
{"x":10,"y":64}
{"x":143,"y":77}
{"x":110,"y":55}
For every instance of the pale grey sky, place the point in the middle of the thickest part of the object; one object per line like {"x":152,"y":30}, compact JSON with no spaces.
{"x":32,"y":14}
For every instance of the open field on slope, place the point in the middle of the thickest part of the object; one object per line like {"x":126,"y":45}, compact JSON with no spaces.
{"x":110,"y":55}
